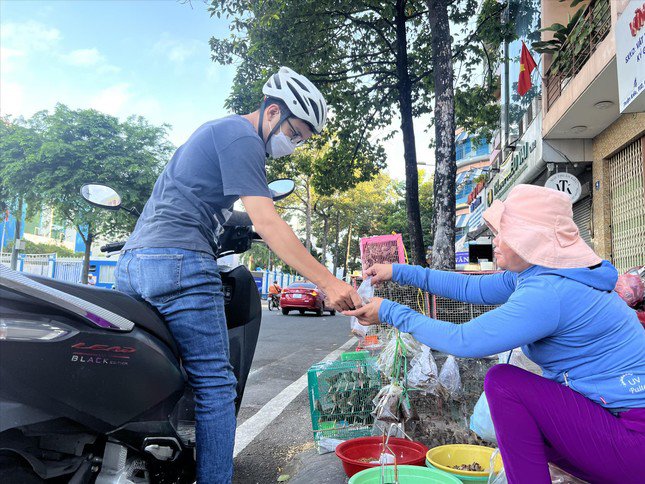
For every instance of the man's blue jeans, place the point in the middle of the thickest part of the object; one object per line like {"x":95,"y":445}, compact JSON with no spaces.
{"x":186,"y":288}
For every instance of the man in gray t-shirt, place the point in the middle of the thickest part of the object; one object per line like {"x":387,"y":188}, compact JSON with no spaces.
{"x":169,"y":260}
{"x":222,"y":161}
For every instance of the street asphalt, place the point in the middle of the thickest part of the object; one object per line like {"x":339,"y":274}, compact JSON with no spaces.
{"x":287,"y":347}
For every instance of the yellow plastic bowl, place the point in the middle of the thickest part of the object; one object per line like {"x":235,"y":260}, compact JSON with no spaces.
{"x":445,"y":456}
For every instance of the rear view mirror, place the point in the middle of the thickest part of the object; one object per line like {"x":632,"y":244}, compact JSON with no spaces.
{"x":101,"y":196}
{"x":281,"y":188}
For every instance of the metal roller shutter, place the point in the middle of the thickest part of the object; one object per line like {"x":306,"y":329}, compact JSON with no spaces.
{"x":628,"y":206}
{"x":582,"y":218}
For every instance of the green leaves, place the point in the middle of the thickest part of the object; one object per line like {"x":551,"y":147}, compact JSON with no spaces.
{"x":48,"y":158}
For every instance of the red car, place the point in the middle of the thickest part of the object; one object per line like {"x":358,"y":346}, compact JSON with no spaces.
{"x":303,"y":296}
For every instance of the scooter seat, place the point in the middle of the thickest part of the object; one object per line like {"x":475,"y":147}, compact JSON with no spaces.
{"x":140,"y":313}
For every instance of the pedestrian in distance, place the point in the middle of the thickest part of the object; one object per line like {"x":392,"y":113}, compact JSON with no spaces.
{"x":169,"y":260}
{"x":586,"y":414}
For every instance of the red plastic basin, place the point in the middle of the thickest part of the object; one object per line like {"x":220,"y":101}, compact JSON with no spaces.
{"x":406,"y":451}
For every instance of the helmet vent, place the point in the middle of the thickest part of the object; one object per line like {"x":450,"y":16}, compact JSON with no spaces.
{"x":304,"y":88}
{"x":298,"y":97}
{"x":277,"y":81}
{"x":314,"y":107}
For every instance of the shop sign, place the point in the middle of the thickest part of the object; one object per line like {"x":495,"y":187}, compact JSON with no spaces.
{"x":630,"y":57}
{"x":565,"y":183}
{"x":461,"y":258}
{"x":515,"y":165}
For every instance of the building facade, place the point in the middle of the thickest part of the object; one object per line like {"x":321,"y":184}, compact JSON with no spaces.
{"x":594,"y":106}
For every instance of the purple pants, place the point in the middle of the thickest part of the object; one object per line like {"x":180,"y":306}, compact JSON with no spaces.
{"x":539,"y":421}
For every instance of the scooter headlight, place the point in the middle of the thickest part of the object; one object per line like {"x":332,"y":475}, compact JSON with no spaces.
{"x":16,"y":329}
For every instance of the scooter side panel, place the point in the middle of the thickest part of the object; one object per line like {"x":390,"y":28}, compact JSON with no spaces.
{"x":99,"y":378}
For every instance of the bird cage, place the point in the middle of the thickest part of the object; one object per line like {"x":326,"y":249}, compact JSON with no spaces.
{"x":382,"y":249}
{"x":340,"y":398}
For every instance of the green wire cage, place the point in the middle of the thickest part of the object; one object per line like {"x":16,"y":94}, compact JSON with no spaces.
{"x":340,"y":398}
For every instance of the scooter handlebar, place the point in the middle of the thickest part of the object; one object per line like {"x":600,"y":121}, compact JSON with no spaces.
{"x":112,"y":246}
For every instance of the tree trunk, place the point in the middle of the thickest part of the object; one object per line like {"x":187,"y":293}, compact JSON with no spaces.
{"x":86,"y":258}
{"x":409,"y":148}
{"x":324,"y":241}
{"x":349,"y":243}
{"x":308,"y":216}
{"x":443,"y":218}
{"x":337,"y":242}
{"x":14,"y":252}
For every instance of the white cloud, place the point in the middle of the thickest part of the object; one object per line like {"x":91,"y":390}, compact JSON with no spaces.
{"x":89,"y":58}
{"x":7,"y":59}
{"x":112,"y":100}
{"x":83,"y":57}
{"x":178,"y":50}
{"x":11,"y":99}
{"x":30,"y":35}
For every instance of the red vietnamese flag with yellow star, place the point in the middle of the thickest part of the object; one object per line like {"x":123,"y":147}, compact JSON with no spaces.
{"x":527,"y":64}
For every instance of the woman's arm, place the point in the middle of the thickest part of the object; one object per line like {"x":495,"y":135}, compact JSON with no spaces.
{"x":531,"y":313}
{"x":485,"y":289}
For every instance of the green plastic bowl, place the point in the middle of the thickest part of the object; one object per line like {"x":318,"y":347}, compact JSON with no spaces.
{"x":407,"y":475}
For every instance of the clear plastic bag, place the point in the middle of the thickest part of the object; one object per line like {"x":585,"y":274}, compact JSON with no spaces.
{"x":423,"y":373}
{"x":481,"y":422}
{"x":388,"y":402}
{"x":366,"y":292}
{"x":496,"y":477}
{"x":406,"y":344}
{"x":449,"y":377}
{"x":519,"y":359}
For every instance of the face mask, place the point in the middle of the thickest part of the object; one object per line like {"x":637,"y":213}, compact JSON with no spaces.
{"x":279,"y":145}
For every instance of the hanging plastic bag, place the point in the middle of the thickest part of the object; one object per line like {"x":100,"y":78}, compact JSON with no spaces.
{"x":496,"y":477}
{"x":481,"y":422}
{"x":449,"y":377}
{"x":423,"y":373}
{"x":387,"y":403}
{"x":398,"y":347}
{"x":516,"y":357}
{"x":366,"y":292}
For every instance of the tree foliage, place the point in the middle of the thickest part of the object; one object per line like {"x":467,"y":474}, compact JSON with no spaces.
{"x":82,"y":146}
{"x":372,"y":59}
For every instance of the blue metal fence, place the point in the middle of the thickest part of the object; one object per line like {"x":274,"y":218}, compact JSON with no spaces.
{"x":63,"y":268}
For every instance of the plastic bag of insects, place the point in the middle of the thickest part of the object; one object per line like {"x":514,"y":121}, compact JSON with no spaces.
{"x":388,"y":402}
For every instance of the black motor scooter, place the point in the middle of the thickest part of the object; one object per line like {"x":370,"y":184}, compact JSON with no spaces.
{"x":91,"y":383}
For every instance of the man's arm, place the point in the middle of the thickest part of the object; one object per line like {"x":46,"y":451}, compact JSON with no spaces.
{"x":281,"y":239}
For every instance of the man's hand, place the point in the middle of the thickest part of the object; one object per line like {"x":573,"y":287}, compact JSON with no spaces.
{"x":379,"y":273}
{"x":368,"y":314}
{"x":340,"y":295}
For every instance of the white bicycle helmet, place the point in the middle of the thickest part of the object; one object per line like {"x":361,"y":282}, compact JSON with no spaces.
{"x":301,"y":97}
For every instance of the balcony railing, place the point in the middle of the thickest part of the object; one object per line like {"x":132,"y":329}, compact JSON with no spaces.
{"x":589,"y":31}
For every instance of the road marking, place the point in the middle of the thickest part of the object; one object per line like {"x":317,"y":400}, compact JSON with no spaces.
{"x":253,"y":426}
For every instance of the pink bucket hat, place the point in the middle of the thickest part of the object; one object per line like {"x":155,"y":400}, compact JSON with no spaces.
{"x":537,"y":223}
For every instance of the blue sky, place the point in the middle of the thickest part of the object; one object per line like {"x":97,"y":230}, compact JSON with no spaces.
{"x":143,"y":57}
{"x":122,"y":57}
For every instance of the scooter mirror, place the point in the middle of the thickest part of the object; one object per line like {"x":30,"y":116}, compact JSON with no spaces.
{"x":281,"y":188}
{"x":101,"y":196}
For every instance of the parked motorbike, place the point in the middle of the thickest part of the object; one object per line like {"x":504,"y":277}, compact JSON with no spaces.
{"x":91,"y":383}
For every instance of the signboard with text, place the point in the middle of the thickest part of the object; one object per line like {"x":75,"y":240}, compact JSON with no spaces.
{"x":630,"y":57}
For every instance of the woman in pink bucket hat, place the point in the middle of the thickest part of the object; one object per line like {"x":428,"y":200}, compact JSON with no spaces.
{"x":586,"y":413}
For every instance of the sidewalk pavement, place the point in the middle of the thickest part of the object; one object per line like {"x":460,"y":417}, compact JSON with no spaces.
{"x":313,"y":468}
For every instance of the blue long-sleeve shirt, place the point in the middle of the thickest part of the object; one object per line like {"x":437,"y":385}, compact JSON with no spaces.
{"x":568,"y":321}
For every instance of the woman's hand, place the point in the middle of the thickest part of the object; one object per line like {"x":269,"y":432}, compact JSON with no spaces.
{"x":368,"y":314}
{"x":379,"y":273}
